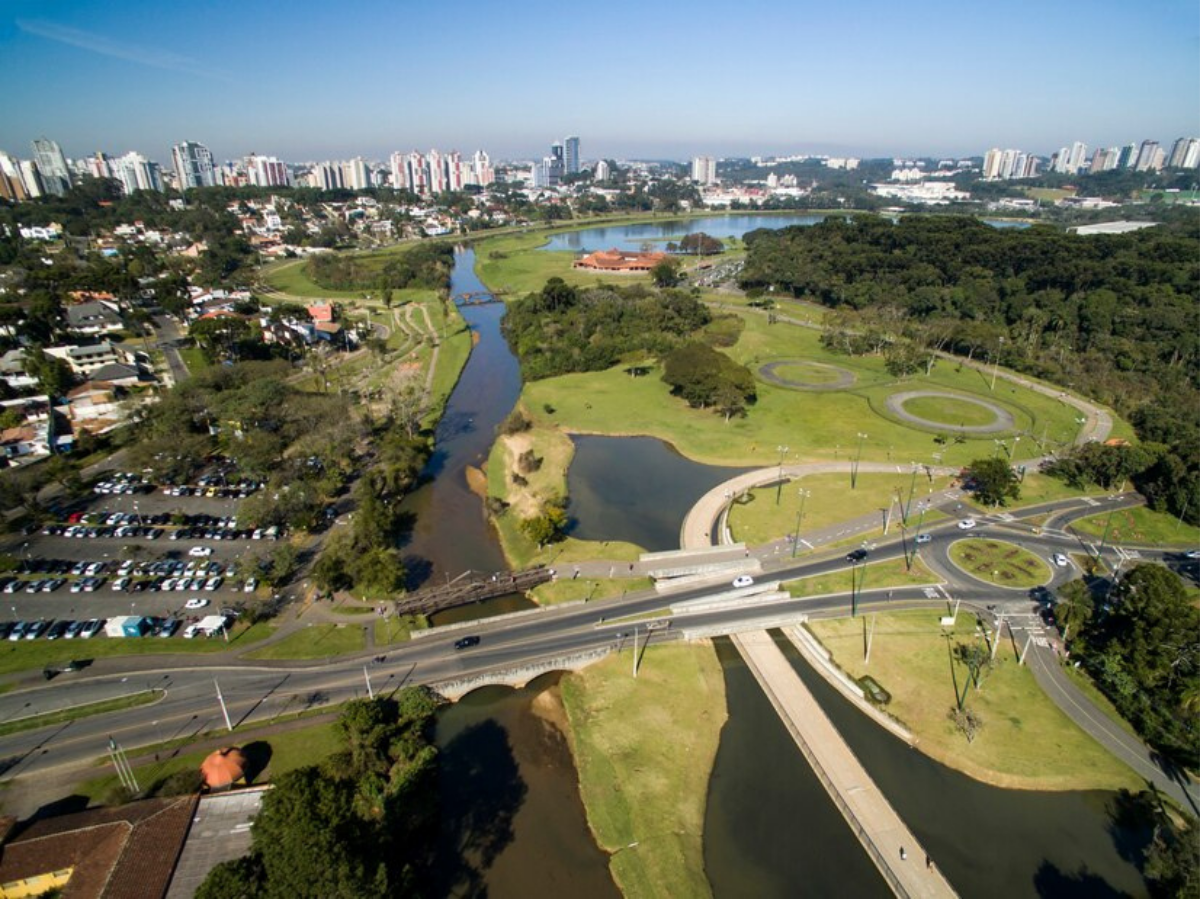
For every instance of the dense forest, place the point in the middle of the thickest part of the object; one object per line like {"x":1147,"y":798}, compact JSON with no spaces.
{"x":423,"y":265}
{"x":562,"y":329}
{"x":1112,"y":316}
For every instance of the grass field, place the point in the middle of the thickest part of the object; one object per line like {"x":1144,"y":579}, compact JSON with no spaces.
{"x":889,"y":573}
{"x":757,"y":519}
{"x":315,"y":642}
{"x":1048,"y":194}
{"x":290,"y":278}
{"x":999,"y":562}
{"x":1141,"y":525}
{"x":587,"y":589}
{"x":395,"y":629}
{"x":193,"y":358}
{"x":1026,"y":742}
{"x":37,"y":654}
{"x":949,"y":411}
{"x":644,"y":749}
{"x":814,"y":425}
{"x":290,"y":749}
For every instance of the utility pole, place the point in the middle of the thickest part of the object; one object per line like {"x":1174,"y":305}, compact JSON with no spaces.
{"x":870,"y":637}
{"x":779,"y":484}
{"x":221,"y":700}
{"x":367,"y":678}
{"x":912,"y":489}
{"x":804,"y":494}
{"x":1104,"y":537}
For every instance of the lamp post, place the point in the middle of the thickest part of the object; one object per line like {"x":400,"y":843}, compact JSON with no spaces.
{"x":779,"y":484}
{"x":857,"y":459}
{"x":996,"y":364}
{"x":912,"y":488}
{"x":804,"y":494}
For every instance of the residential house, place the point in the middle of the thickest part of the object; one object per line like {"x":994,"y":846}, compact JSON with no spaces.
{"x":92,"y":318}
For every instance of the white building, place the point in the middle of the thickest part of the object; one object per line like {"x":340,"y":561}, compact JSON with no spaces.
{"x":136,"y":172}
{"x":193,"y":165}
{"x":267,"y":171}
{"x":704,"y":170}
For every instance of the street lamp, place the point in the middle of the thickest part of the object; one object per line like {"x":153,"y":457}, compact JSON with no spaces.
{"x":804,"y":494}
{"x":779,"y":484}
{"x":996,"y":364}
{"x":857,"y":459}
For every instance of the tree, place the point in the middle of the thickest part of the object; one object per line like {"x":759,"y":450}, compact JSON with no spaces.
{"x":706,"y":377}
{"x":665,"y":273}
{"x":1074,"y":608}
{"x":53,"y":374}
{"x":994,"y":481}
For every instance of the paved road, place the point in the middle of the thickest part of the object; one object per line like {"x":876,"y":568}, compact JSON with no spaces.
{"x":168,"y":335}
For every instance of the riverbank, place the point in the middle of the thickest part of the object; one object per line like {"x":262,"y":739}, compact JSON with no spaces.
{"x":645,"y":750}
{"x":1025,"y":742}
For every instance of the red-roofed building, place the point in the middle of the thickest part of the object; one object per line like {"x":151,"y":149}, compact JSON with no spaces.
{"x":620,"y":261}
{"x":321,"y":312}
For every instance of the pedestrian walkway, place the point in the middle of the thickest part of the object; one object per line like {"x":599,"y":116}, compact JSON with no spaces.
{"x":893,"y":848}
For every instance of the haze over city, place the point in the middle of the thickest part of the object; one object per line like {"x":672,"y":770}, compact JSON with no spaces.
{"x":641,"y":80}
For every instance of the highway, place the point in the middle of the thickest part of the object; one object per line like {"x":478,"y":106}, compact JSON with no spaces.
{"x":256,"y":693}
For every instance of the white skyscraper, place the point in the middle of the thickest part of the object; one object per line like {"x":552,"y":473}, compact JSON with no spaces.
{"x":1185,"y":154}
{"x":1147,"y":157}
{"x":704,"y":170}
{"x":193,"y":165}
{"x":355,"y":174}
{"x":52,"y":165}
{"x":267,"y":171}
{"x":136,"y":172}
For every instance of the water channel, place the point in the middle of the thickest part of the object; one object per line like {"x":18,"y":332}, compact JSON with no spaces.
{"x":515,"y":824}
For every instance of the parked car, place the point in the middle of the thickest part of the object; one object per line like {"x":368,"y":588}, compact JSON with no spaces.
{"x":195,"y":603}
{"x":200,"y":551}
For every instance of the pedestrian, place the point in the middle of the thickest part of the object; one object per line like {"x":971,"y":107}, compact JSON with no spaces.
{"x":928,"y":863}
{"x":903,"y":854}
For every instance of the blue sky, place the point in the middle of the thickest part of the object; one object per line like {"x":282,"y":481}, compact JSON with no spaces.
{"x":312,"y":80}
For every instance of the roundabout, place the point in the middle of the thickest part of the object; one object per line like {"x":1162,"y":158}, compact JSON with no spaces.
{"x":999,"y":563}
{"x":807,"y":375}
{"x":985,"y":417}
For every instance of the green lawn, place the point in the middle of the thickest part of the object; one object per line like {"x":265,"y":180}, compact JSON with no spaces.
{"x":1141,"y":525}
{"x":758,"y":519}
{"x":290,"y":749}
{"x":588,"y":589}
{"x":949,"y":411}
{"x":193,"y":357}
{"x":290,"y":278}
{"x":315,"y":642}
{"x":889,"y":573}
{"x":644,"y":749}
{"x":999,"y":562}
{"x":395,"y":629}
{"x":1026,"y":742}
{"x":37,"y":654}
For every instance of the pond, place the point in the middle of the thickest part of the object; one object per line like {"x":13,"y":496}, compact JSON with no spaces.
{"x":659,"y":233}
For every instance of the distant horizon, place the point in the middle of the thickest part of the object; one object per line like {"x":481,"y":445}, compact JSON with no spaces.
{"x":769,"y":78}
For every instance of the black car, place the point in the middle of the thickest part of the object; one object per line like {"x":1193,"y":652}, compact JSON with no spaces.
{"x":466,"y":642}
{"x":856,"y":556}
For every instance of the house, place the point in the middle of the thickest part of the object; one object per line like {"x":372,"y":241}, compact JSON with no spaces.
{"x":96,"y":317}
{"x":86,"y":359}
{"x":321,"y":312}
{"x":31,"y":439}
{"x":119,"y":374}
{"x":125,"y":852}
{"x":330,"y":331}
{"x":91,"y":401}
{"x":619,"y":261}
{"x":12,"y":370}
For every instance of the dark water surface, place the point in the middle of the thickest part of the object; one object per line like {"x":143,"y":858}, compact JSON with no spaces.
{"x":513,"y":824}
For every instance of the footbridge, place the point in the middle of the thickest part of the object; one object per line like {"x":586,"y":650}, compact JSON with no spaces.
{"x":469,"y":587}
{"x":477,"y":298}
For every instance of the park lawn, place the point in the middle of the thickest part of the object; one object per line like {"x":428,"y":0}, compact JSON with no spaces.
{"x":1048,"y":194}
{"x":814,"y":425}
{"x":398,"y":628}
{"x":567,"y":589}
{"x":193,"y":357}
{"x":316,"y":641}
{"x":1140,"y":524}
{"x":290,"y":749}
{"x":555,"y":450}
{"x":756,"y":519}
{"x":889,"y":573}
{"x":1026,"y":741}
{"x":37,"y":654}
{"x":1084,"y":682}
{"x":290,"y":278}
{"x":453,"y":353}
{"x":1000,"y":563}
{"x":948,"y":410}
{"x":644,"y":749}
{"x":1039,"y":488}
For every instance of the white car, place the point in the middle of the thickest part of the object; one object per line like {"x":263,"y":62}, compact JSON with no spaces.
{"x":195,"y":603}
{"x":251,"y":584}
{"x":924,"y":538}
{"x":200,"y":551}
{"x":966,"y":524}
{"x":1060,"y":560}
{"x":743,"y":580}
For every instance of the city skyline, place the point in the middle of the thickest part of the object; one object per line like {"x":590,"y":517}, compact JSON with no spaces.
{"x":924,"y":81}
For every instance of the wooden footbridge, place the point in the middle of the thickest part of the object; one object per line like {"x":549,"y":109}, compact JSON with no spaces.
{"x":469,"y":587}
{"x":477,"y":298}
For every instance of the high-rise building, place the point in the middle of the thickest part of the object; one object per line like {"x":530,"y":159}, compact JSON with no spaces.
{"x":193,"y":165}
{"x":601,"y":172}
{"x":1078,"y":157}
{"x":326,"y":176}
{"x":136,"y":172}
{"x":266,"y":171}
{"x":12,"y":186}
{"x":1147,"y":155}
{"x":704,"y":170}
{"x":100,"y":165}
{"x":1185,"y":154}
{"x":52,"y":165}
{"x":31,"y":178}
{"x":482,"y":166}
{"x":571,"y":155}
{"x":355,"y":174}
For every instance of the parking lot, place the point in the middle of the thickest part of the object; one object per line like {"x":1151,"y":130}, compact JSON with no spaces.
{"x":137,"y":551}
